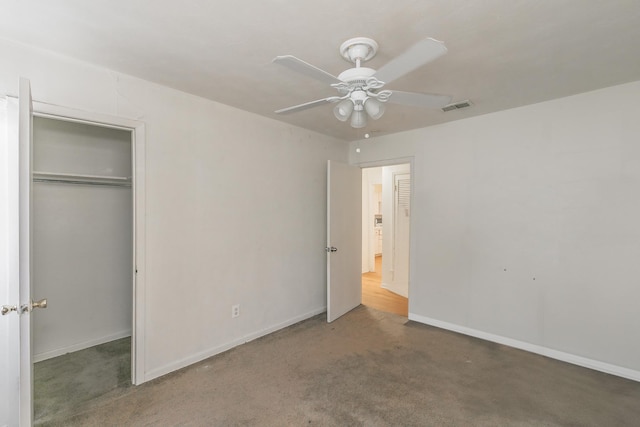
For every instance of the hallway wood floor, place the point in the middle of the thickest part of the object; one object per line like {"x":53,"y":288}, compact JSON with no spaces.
{"x":379,"y":298}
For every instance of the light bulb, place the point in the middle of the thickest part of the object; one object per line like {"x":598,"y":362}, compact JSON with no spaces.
{"x":343,"y":110}
{"x":358,"y":119}
{"x":374,"y":108}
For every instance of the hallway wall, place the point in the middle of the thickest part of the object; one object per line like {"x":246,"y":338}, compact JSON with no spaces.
{"x":370,"y":177}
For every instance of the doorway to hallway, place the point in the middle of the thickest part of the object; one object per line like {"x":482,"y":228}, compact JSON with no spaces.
{"x":385,"y":237}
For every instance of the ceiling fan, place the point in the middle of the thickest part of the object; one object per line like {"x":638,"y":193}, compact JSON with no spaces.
{"x":360,"y":88}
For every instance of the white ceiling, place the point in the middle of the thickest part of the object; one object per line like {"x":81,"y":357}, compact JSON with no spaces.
{"x":502,"y":53}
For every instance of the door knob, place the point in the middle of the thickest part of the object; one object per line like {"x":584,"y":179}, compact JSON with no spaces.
{"x":331,"y":249}
{"x":39,"y":304}
{"x":6,"y":309}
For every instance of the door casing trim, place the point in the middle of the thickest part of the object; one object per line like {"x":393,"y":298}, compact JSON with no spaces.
{"x":138,"y":153}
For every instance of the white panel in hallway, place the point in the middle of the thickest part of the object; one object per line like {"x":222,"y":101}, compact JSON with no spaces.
{"x":395,"y":243}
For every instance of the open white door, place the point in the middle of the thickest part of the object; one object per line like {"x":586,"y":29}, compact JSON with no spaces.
{"x":344,"y":239}
{"x":25,"y":141}
{"x":17,"y":307}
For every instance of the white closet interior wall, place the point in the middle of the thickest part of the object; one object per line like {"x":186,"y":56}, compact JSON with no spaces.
{"x":82,"y":237}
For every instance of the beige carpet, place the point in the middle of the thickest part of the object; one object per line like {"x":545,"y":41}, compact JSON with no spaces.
{"x":371,"y":369}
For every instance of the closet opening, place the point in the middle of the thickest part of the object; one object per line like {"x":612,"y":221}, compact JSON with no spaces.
{"x":83,"y":207}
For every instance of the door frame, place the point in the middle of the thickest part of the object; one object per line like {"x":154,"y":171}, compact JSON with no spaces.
{"x":138,"y":156}
{"x":412,"y":241}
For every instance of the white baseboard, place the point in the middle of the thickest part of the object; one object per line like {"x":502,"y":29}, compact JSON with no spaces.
{"x":395,"y":290}
{"x":182,"y":363}
{"x":533,"y":348}
{"x":80,"y":346}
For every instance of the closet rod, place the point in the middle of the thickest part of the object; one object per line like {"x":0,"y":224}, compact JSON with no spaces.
{"x":67,"y":178}
{"x":83,"y":182}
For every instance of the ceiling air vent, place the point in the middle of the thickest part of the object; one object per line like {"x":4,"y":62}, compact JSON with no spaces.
{"x":457,"y":105}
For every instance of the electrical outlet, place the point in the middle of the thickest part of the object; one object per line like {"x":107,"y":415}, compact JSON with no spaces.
{"x":235,"y":310}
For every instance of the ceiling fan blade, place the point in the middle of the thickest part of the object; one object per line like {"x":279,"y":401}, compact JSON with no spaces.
{"x":419,"y":54}
{"x":415,"y":99}
{"x":308,"y":105}
{"x":305,"y":68}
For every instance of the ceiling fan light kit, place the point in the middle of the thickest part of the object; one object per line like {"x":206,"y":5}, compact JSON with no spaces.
{"x":358,"y":118}
{"x":343,"y":110}
{"x":374,"y":108}
{"x":360,"y":88}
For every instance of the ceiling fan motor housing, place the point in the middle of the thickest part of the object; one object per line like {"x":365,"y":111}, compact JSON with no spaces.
{"x":357,"y":75}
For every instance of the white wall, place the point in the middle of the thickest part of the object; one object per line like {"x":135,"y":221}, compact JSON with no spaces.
{"x":216,"y":235}
{"x":82,"y":238}
{"x":525,"y":226}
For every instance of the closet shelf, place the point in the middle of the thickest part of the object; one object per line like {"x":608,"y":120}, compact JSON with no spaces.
{"x":70,"y":178}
